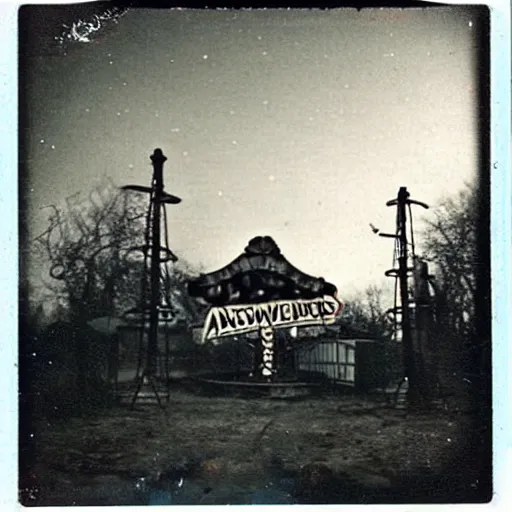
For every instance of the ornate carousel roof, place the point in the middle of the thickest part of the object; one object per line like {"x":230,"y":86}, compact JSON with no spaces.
{"x":260,"y":274}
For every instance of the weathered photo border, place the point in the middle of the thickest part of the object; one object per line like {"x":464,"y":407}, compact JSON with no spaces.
{"x":497,"y":183}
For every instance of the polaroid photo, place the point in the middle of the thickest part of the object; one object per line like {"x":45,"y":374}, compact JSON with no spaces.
{"x":255,"y":254}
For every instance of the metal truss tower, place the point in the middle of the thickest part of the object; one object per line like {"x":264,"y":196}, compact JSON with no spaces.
{"x":157,"y":311}
{"x":404,"y":261}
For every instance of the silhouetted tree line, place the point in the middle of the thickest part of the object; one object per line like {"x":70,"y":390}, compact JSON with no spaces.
{"x":92,"y":266}
{"x":451,"y":246}
{"x":367,"y":312}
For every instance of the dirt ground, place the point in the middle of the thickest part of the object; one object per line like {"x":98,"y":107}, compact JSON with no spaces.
{"x":226,"y":450}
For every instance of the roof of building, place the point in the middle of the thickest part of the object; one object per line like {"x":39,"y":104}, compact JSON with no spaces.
{"x":260,"y":274}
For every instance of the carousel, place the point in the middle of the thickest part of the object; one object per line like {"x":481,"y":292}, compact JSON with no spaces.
{"x":260,"y":300}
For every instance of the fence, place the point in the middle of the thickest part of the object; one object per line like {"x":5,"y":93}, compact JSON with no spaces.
{"x":363,"y":364}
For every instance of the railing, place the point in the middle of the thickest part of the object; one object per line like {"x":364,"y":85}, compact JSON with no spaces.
{"x":336,"y":359}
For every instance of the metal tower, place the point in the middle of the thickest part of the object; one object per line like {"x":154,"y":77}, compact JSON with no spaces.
{"x":157,"y":311}
{"x":404,"y":256}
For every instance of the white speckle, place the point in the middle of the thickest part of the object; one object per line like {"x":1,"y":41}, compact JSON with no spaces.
{"x":346,"y":86}
{"x":111,"y":62}
{"x":185,"y":153}
{"x":130,"y":166}
{"x":180,"y":483}
{"x":265,"y":102}
{"x":156,"y":114}
{"x":428,"y":53}
{"x":264,"y":53}
{"x":87,"y":110}
{"x":52,"y":146}
{"x":34,"y":354}
{"x":449,"y":440}
{"x":326,"y":56}
{"x":272,"y":178}
{"x":219,"y":193}
{"x":470,"y":23}
{"x":119,"y":113}
{"x":175,"y":130}
{"x":124,"y":83}
{"x":391,"y":34}
{"x":110,"y":88}
{"x":205,"y":57}
{"x":172,"y":60}
{"x":231,"y":112}
{"x":311,"y":118}
{"x":109,"y":55}
{"x":259,"y":38}
{"x":42,"y":141}
{"x":31,"y":435}
{"x":50,"y":362}
{"x":234,"y":142}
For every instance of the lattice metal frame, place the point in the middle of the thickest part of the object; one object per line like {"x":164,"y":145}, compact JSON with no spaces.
{"x":155,"y":308}
{"x":404,"y":256}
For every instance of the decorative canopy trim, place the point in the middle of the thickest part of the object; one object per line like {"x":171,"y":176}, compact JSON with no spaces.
{"x":260,"y":274}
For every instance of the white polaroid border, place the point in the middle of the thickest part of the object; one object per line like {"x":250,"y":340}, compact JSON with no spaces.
{"x":501,"y":257}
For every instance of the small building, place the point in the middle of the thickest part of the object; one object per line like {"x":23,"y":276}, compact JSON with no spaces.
{"x":357,"y":363}
{"x":346,"y":357}
{"x":175,"y":345}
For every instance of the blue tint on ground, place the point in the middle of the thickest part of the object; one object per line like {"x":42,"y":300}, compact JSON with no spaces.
{"x":271,"y":497}
{"x":158,"y":497}
{"x":277,"y":492}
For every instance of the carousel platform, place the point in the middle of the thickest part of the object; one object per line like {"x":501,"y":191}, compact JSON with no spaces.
{"x":243,"y":384}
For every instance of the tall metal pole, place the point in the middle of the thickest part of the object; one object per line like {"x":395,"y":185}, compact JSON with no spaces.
{"x":413,"y":364}
{"x":408,"y":355}
{"x":158,"y":159}
{"x":159,"y":254}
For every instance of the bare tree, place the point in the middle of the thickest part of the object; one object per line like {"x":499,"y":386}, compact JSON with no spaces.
{"x":366,"y":312}
{"x":454,"y":244}
{"x":86,"y":251}
{"x":450,"y":245}
{"x":175,"y":284}
{"x":92,"y":250}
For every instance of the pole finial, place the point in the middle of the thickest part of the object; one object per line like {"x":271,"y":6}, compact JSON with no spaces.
{"x":158,"y":157}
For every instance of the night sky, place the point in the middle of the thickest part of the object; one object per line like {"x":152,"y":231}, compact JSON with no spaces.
{"x":298,"y":124}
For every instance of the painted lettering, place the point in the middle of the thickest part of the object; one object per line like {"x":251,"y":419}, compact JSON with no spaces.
{"x":285,"y":310}
{"x":230,"y":320}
